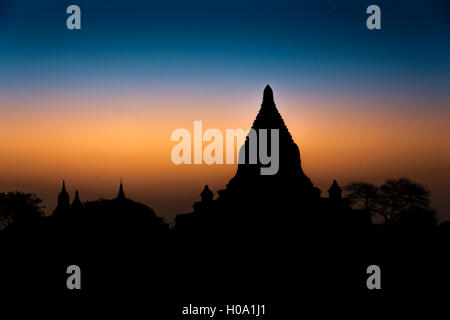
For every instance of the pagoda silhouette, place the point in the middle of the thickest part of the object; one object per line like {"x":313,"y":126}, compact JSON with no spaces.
{"x":289,"y":179}
{"x":257,"y":202}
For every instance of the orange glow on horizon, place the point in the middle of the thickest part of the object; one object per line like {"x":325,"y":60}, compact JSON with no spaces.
{"x":92,"y":143}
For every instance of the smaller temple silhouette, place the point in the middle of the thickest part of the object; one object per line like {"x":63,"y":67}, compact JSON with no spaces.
{"x":115,"y":218}
{"x":335,"y":191}
{"x":76,"y":203}
{"x":64,"y":207}
{"x":206,"y":200}
{"x":63,"y":204}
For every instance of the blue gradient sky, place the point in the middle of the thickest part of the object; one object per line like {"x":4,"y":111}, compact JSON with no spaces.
{"x":322,"y":46}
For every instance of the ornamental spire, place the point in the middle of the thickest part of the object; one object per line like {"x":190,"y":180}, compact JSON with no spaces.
{"x":268,"y":96}
{"x":63,"y":198}
{"x":121,"y":194}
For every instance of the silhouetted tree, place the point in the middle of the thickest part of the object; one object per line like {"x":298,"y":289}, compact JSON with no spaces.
{"x":20,"y":207}
{"x":395,"y":199}
{"x":363,"y":195}
{"x":403,"y":197}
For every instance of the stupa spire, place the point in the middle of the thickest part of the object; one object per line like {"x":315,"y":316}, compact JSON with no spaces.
{"x":76,"y":203}
{"x":268,"y":116}
{"x":268,"y":96}
{"x":121,"y":194}
{"x":63,"y":198}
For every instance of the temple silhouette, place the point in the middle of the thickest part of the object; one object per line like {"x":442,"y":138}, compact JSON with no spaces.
{"x":258,"y":236}
{"x":259,"y":201}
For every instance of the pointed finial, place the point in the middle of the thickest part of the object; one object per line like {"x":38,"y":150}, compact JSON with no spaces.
{"x":63,"y":199}
{"x":268,"y":95}
{"x":121,"y":194}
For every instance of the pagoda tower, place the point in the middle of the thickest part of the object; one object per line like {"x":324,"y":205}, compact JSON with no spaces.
{"x":289,"y":181}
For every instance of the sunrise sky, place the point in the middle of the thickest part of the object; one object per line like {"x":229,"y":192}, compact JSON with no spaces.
{"x":99,"y":104}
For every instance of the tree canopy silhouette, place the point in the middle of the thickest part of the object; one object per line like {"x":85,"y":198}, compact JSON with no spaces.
{"x":20,"y":208}
{"x":397,"y":199}
{"x":362,"y":195}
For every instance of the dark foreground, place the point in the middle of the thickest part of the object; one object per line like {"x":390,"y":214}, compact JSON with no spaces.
{"x":142,"y":267}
